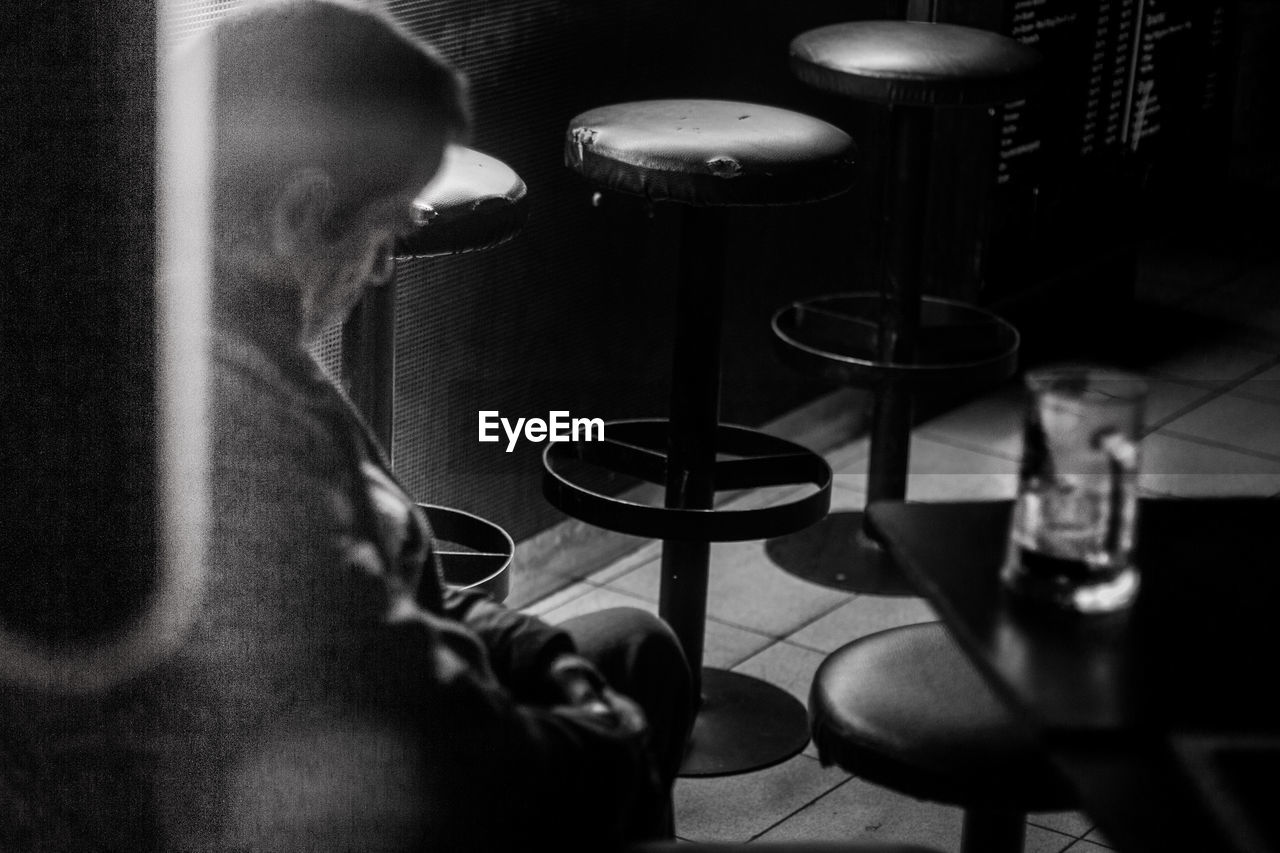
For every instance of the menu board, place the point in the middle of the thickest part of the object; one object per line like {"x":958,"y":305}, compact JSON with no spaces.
{"x":1120,"y":74}
{"x":1180,"y":59}
{"x":1130,"y":88}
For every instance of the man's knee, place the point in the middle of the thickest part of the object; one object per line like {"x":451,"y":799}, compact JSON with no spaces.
{"x":645,"y":629}
{"x":629,"y":644}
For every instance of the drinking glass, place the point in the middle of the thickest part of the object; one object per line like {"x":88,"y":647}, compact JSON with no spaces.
{"x":1072,"y":535}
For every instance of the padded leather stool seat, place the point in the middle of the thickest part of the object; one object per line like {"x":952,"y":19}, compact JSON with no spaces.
{"x":475,"y":202}
{"x":710,"y":153}
{"x":910,"y":62}
{"x":903,"y":708}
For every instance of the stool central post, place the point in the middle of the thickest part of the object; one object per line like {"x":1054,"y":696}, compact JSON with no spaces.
{"x":694,"y":419}
{"x":904,"y":219}
{"x":894,"y":340}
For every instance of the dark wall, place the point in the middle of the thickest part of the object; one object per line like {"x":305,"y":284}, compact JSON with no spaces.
{"x":1255,"y":152}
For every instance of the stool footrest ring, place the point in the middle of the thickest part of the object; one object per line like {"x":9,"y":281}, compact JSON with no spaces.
{"x":474,"y":552}
{"x":837,"y":337}
{"x":637,"y":448}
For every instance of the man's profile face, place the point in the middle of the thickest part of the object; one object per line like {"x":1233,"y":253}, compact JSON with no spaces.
{"x":361,"y":254}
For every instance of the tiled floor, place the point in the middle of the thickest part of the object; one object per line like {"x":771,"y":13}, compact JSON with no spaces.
{"x":1214,"y":428}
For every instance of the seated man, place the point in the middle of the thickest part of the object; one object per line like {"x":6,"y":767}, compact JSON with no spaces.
{"x":315,"y":704}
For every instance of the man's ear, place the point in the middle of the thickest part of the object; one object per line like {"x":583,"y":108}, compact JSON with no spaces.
{"x":301,"y":210}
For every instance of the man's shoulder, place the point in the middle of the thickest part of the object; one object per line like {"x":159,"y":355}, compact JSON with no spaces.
{"x":253,"y":392}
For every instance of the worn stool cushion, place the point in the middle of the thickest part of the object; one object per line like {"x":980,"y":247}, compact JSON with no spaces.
{"x":912,"y":62}
{"x":903,"y":708}
{"x":475,"y":202}
{"x":708,"y":153}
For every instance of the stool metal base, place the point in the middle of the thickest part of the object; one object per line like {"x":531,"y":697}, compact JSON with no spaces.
{"x":837,"y":553}
{"x":744,"y":724}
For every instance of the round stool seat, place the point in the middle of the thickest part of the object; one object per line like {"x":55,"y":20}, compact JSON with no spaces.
{"x":912,"y":62}
{"x":837,"y":337}
{"x":475,"y":202}
{"x":903,"y":708}
{"x":710,"y":153}
{"x":474,"y":552}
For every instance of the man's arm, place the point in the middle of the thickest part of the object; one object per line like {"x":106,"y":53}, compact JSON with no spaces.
{"x":573,"y":770}
{"x":521,"y":648}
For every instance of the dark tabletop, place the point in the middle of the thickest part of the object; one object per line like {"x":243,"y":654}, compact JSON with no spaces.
{"x":1117,"y":697}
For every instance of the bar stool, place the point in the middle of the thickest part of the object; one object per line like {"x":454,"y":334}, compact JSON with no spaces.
{"x":904,"y":709}
{"x":704,"y":155}
{"x":475,"y":202}
{"x":896,"y":342}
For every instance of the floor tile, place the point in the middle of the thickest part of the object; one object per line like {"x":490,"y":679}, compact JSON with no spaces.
{"x":597,"y":598}
{"x":529,"y":586}
{"x":997,"y":484}
{"x":746,"y":589}
{"x":1263,"y":386}
{"x":865,"y":614}
{"x":789,"y":667}
{"x":991,"y":424}
{"x":1178,"y":466}
{"x":726,"y":645}
{"x":858,"y":811}
{"x":848,"y":494}
{"x":1041,"y":840}
{"x":848,"y":454}
{"x":644,"y":554}
{"x":1086,"y":846}
{"x":737,"y":808}
{"x":1075,"y":824}
{"x":1235,"y":421}
{"x":930,"y":455}
{"x":1095,"y":836}
{"x":755,"y":498}
{"x":944,"y":472}
{"x":1171,"y":398}
{"x":556,"y":599}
